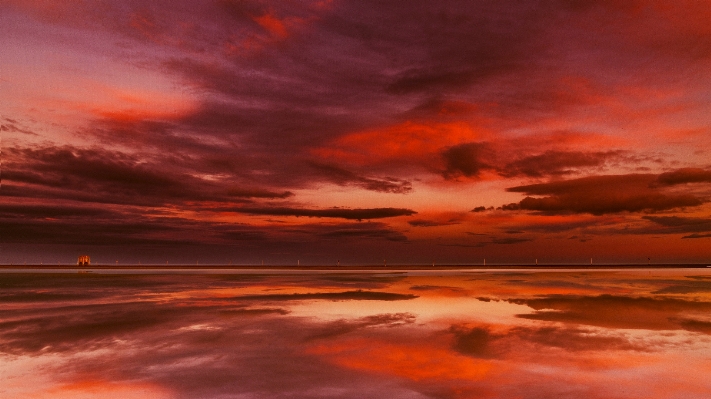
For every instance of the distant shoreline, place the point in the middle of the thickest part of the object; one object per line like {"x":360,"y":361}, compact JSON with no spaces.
{"x":355,"y":267}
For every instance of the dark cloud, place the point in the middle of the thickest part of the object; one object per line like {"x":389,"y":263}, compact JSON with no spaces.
{"x":353,"y":214}
{"x":581,"y":229}
{"x":683,"y":224}
{"x":69,"y":223}
{"x":96,"y":185}
{"x":417,"y":80}
{"x":574,"y":339}
{"x":92,"y":165}
{"x":461,"y":47}
{"x":686,"y":175}
{"x":557,"y":163}
{"x":485,"y":299}
{"x":510,"y":240}
{"x":467,"y":160}
{"x":251,"y":163}
{"x":239,"y":157}
{"x":438,"y":107}
{"x":583,"y":184}
{"x":52,"y":211}
{"x":613,"y":311}
{"x":258,"y":193}
{"x":567,"y":225}
{"x":98,"y":175}
{"x":358,"y":295}
{"x":441,"y":288}
{"x":241,"y":312}
{"x":696,"y":325}
{"x":472,"y":341}
{"x":367,"y":232}
{"x":680,"y":225}
{"x":350,"y":231}
{"x":477,"y":245}
{"x":487,"y":240}
{"x":430,"y":223}
{"x":427,"y":287}
{"x":344,"y":177}
{"x":185,"y":241}
{"x":11,"y":126}
{"x":85,"y":231}
{"x":471,"y":159}
{"x":481,"y":342}
{"x":685,"y":287}
{"x":600,"y":195}
{"x":231,"y":234}
{"x":697,"y":236}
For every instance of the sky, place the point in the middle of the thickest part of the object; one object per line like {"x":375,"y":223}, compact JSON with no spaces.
{"x":587,"y":335}
{"x":355,"y":132}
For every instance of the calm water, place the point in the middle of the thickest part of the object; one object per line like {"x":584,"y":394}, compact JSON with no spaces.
{"x":423,"y":334}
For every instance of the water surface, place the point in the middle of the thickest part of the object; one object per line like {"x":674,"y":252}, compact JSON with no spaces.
{"x":395,"y":334}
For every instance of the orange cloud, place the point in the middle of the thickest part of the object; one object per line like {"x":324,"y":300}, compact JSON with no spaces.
{"x":404,"y":141}
{"x":275,"y":26}
{"x":138,"y":104}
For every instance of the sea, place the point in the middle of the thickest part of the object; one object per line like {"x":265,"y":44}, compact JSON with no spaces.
{"x":395,"y":332}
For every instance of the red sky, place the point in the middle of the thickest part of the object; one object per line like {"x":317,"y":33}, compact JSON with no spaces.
{"x":242,"y":131}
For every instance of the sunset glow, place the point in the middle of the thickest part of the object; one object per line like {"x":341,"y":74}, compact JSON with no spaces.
{"x":320,"y":132}
{"x":247,"y":199}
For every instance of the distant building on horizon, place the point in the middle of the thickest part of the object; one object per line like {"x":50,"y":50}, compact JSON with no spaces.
{"x":83,"y":260}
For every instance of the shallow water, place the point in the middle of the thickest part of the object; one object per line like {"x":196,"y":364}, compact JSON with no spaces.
{"x":395,"y":334}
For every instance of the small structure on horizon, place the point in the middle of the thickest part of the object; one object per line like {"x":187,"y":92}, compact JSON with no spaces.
{"x":83,"y":260}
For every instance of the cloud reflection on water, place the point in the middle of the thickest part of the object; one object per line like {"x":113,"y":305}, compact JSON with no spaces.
{"x":490,"y":335}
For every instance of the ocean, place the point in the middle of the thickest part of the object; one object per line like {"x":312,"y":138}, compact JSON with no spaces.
{"x":348,"y":333}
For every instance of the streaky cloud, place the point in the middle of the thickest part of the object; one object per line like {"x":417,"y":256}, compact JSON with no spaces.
{"x":342,"y":213}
